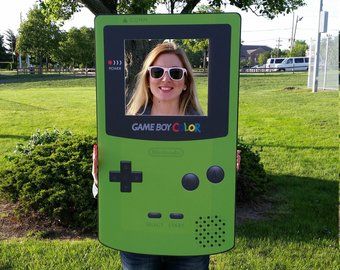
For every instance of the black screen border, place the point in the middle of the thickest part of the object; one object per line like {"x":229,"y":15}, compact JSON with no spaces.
{"x":214,"y":125}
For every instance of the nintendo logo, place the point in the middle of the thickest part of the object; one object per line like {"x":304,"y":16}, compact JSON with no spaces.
{"x":166,"y":152}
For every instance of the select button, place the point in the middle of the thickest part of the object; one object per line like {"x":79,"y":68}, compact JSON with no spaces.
{"x":154,"y":215}
{"x":176,"y":216}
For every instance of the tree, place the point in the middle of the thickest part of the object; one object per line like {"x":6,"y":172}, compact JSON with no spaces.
{"x":37,"y":37}
{"x":299,"y":49}
{"x":3,"y":53}
{"x":195,"y":58}
{"x":285,"y":53}
{"x":11,"y":41}
{"x":172,"y":5}
{"x":198,"y":46}
{"x":76,"y":48}
{"x":63,"y":9}
{"x":4,"y":56}
{"x":263,"y":57}
{"x":59,"y":10}
{"x":279,"y":53}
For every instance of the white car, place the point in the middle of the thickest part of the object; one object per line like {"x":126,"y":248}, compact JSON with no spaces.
{"x":273,"y":62}
{"x":293,"y":64}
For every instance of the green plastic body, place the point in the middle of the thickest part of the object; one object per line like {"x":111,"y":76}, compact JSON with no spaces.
{"x":208,"y":224}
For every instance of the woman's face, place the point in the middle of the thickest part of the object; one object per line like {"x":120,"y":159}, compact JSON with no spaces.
{"x":165,"y":88}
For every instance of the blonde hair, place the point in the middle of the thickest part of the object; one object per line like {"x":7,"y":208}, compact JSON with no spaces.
{"x":142,"y":96}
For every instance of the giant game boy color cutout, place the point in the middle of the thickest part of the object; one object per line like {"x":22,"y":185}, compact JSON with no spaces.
{"x":170,"y":190}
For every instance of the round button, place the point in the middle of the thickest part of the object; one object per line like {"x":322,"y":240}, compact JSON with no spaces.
{"x":215,"y":174}
{"x":190,"y":181}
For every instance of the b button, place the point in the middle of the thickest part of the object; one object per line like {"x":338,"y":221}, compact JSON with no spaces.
{"x":190,"y":181}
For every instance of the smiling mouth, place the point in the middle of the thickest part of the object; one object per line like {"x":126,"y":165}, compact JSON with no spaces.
{"x":165,"y":88}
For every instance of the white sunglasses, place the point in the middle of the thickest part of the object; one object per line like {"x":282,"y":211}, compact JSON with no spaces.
{"x":175,"y":73}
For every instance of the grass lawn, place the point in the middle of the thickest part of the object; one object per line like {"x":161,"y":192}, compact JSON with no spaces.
{"x":295,"y":131}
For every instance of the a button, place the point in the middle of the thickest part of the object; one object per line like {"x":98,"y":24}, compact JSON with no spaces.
{"x":176,"y":216}
{"x":154,"y":215}
{"x":190,"y":181}
{"x":215,"y":174}
{"x":125,"y":176}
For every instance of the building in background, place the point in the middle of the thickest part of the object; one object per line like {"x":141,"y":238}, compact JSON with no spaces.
{"x":250,"y":53}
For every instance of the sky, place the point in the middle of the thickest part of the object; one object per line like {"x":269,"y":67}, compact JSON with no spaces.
{"x":255,"y":30}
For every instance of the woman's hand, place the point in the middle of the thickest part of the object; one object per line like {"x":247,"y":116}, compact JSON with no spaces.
{"x":238,"y":160}
{"x":95,"y":164}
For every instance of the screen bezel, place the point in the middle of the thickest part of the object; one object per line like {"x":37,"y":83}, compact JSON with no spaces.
{"x":214,"y":125}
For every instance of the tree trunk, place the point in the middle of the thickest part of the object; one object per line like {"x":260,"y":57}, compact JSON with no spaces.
{"x":189,"y":7}
{"x":204,"y":59}
{"x":102,"y":7}
{"x":135,"y":53}
{"x":135,"y":50}
{"x":40,"y":65}
{"x":172,"y":6}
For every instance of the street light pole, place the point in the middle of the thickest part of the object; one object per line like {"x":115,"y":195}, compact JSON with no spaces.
{"x":294,"y":27}
{"x":326,"y":63}
{"x":297,"y":20}
{"x":292,"y":35}
{"x":20,"y":62}
{"x":317,"y":54}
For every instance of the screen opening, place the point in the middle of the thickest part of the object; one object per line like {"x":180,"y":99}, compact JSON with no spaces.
{"x":169,"y":72}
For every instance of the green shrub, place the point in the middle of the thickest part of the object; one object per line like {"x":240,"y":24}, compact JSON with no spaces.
{"x":39,"y":138}
{"x":51,"y":176}
{"x":252,"y":181}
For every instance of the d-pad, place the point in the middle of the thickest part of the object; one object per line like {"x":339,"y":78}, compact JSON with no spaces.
{"x":125,"y":176}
